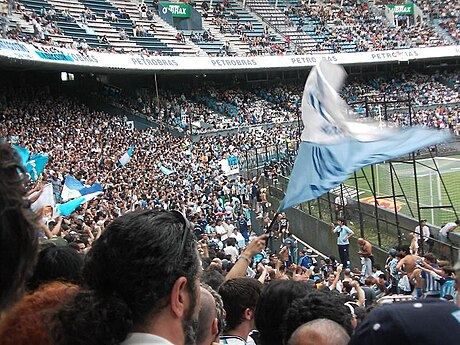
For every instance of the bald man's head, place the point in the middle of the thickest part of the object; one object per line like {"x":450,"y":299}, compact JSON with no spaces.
{"x":320,"y":332}
{"x":207,"y":318}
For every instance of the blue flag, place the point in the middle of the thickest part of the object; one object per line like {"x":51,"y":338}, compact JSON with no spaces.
{"x":334,"y":146}
{"x":126,"y":157}
{"x":75,"y":189}
{"x":24,"y":154}
{"x":68,"y":207}
{"x":165,"y":170}
{"x":35,"y":165}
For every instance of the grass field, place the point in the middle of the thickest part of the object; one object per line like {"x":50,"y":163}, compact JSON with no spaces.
{"x":433,"y":188}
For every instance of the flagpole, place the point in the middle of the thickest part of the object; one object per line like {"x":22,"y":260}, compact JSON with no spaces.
{"x":270,"y":227}
{"x":156,"y":90}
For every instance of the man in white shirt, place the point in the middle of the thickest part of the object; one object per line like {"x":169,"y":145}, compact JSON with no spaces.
{"x":447,"y":229}
{"x":425,"y":234}
{"x":228,"y":225}
{"x":220,"y":230}
{"x":341,"y":204}
{"x":231,"y":249}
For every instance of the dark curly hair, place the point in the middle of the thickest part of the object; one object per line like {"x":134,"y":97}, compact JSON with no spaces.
{"x":128,"y":276}
{"x":317,"y":304}
{"x":18,"y":228}
{"x":61,"y":263}
{"x":273,"y":303}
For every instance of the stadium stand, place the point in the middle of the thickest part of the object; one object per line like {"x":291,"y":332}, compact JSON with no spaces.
{"x":100,"y":25}
{"x":200,"y":129}
{"x":229,"y":29}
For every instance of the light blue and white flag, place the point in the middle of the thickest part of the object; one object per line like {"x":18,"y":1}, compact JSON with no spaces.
{"x":74,"y":189}
{"x":24,"y":154}
{"x":46,"y":198}
{"x":165,"y":170}
{"x":35,"y":165}
{"x":68,"y":207}
{"x":126,"y":157}
{"x":334,"y":146}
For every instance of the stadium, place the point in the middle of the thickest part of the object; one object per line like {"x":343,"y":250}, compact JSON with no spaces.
{"x":191,"y":172}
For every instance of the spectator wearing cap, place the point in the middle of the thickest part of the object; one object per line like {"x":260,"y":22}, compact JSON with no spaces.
{"x":410,"y":323}
{"x":306,"y":259}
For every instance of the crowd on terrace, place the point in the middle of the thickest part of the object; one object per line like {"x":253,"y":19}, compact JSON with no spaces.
{"x":340,"y":24}
{"x":167,"y":173}
{"x":351,"y":22}
{"x":434,"y":99}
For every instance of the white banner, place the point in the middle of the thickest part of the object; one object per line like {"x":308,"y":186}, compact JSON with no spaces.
{"x":230,"y":166}
{"x":47,"y":54}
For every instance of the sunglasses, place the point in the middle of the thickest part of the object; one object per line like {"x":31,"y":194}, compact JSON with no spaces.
{"x":186,"y":228}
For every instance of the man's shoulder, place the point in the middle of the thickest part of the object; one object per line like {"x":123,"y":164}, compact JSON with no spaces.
{"x":232,"y":340}
{"x":144,"y":339}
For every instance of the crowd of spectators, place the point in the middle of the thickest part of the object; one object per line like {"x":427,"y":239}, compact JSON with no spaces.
{"x":43,"y":24}
{"x":426,"y":89}
{"x":354,"y":23}
{"x":46,"y":30}
{"x":342,"y":27}
{"x":208,"y":108}
{"x":263,"y":44}
{"x":434,"y":101}
{"x":218,"y":214}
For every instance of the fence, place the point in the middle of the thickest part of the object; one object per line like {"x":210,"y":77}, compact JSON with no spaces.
{"x":380,"y":224}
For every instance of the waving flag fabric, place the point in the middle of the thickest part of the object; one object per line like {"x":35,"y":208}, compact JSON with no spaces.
{"x":23,"y":153}
{"x":46,"y":198}
{"x":165,"y":170}
{"x":34,"y":164}
{"x":75,"y":189}
{"x":126,"y":157}
{"x":68,"y":207}
{"x":334,"y":146}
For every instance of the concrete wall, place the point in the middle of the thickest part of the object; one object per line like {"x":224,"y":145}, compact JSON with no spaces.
{"x":318,"y":234}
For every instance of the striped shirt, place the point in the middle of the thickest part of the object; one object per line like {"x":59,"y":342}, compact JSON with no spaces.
{"x":432,"y":285}
{"x":448,"y":288}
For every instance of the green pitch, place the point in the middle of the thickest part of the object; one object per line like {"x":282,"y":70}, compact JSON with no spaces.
{"x":434,"y":189}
